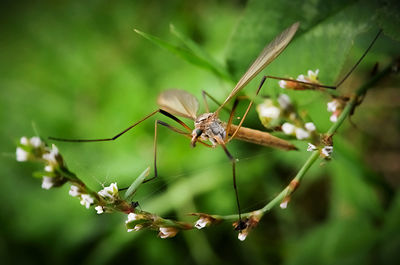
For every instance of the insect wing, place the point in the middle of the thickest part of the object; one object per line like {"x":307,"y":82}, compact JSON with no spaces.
{"x":179,"y":102}
{"x":268,"y":54}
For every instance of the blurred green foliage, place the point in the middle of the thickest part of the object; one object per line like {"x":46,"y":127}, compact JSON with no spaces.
{"x":76,"y":69}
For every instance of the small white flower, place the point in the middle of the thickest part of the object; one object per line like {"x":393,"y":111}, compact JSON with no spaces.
{"x":99,"y":209}
{"x":132,"y":217}
{"x":242,"y":236}
{"x":282,"y":83}
{"x":301,"y":134}
{"x":136,"y":228}
{"x":109,"y":193}
{"x":283,"y":204}
{"x":332,"y":105}
{"x":49,"y":168}
{"x":270,"y":112}
{"x":22,"y":155}
{"x":313,"y":76}
{"x":74,"y":191}
{"x":333,"y":118}
{"x":166,"y":232}
{"x":52,"y":155}
{"x":24,"y":140}
{"x":284,"y":101}
{"x":47,"y":182}
{"x":35,"y":141}
{"x":288,"y":128}
{"x":327,"y":151}
{"x":301,"y":78}
{"x":86,"y":200}
{"x":311,"y":147}
{"x":201,"y":223}
{"x":310,"y":126}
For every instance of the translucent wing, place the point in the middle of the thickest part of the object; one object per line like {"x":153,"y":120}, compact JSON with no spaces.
{"x":268,"y":54}
{"x":179,"y":102}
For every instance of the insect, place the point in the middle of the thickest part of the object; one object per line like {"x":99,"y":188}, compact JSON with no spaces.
{"x":208,"y":126}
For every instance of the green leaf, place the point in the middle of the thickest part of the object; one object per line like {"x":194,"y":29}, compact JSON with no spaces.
{"x":218,"y":69}
{"x":389,"y":18}
{"x":135,"y":185}
{"x":352,"y":193}
{"x":195,"y":56}
{"x":336,"y":242}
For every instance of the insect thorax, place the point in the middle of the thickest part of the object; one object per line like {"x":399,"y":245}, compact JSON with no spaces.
{"x":211,"y":126}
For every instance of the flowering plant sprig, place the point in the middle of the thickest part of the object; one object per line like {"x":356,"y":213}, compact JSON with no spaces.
{"x":56,"y":173}
{"x":107,"y":200}
{"x":282,"y":115}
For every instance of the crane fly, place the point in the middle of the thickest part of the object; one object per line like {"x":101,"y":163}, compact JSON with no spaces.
{"x":208,"y":126}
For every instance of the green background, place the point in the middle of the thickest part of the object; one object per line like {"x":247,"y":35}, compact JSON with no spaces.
{"x":76,"y":69}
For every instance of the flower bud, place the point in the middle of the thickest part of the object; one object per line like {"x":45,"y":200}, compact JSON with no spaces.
{"x":167,"y":232}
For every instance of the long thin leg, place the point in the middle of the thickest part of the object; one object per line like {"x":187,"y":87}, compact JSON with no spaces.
{"x":233,"y":161}
{"x":165,"y":113}
{"x":155,"y":144}
{"x":172,"y":128}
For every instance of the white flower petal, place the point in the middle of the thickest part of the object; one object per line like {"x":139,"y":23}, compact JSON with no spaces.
{"x":327,"y":151}
{"x":131,"y":217}
{"x":21,"y":155}
{"x":333,"y":118}
{"x":242,"y":236}
{"x":284,"y":101}
{"x":86,"y":200}
{"x":47,"y":182}
{"x":201,"y":223}
{"x":166,"y":232}
{"x":270,"y":112}
{"x":301,"y":78}
{"x":110,"y":193}
{"x":35,"y":141}
{"x":301,"y":134}
{"x":283,"y":204}
{"x":74,"y":191}
{"x":310,"y":126}
{"x":313,"y":75}
{"x":51,"y":157}
{"x":311,"y":147}
{"x":24,"y":140}
{"x":48,"y":168}
{"x":332,"y":105}
{"x":99,"y":209}
{"x":282,"y":84}
{"x":288,"y":128}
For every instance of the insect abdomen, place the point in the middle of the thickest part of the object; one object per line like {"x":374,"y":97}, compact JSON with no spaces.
{"x":260,"y":138}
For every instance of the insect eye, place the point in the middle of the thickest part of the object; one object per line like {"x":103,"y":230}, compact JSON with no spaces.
{"x":198,"y":132}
